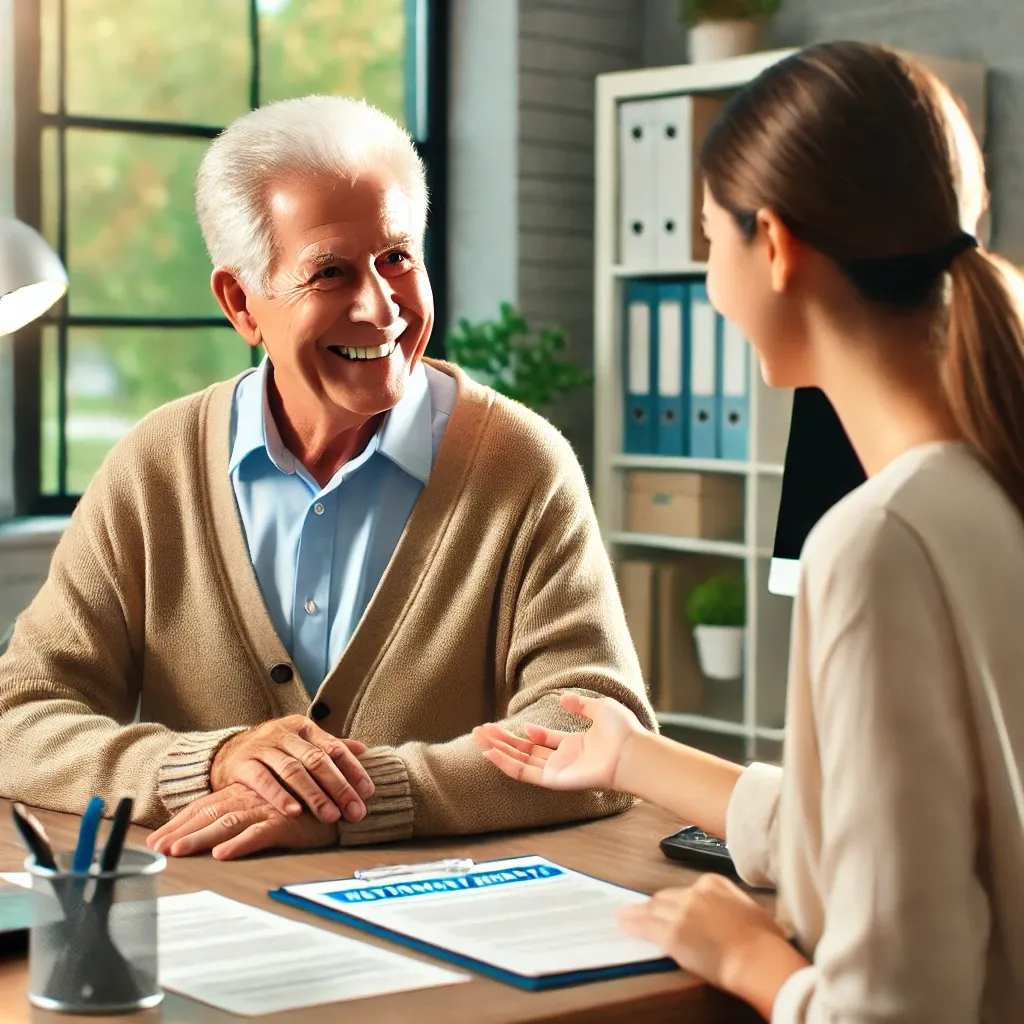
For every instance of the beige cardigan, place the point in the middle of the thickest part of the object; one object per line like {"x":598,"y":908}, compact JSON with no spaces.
{"x":499,"y":596}
{"x":896,"y":830}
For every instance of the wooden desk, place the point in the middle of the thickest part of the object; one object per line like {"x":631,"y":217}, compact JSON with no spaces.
{"x":623,"y":849}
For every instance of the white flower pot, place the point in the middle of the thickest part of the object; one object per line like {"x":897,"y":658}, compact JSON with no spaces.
{"x":720,"y":651}
{"x":716,"y":40}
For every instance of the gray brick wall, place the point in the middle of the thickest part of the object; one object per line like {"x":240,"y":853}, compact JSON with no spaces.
{"x":563,"y":46}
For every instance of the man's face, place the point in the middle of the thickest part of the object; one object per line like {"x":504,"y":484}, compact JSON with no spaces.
{"x":350,"y":307}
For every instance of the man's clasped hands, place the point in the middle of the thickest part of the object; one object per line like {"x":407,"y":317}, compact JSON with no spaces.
{"x":284,"y":784}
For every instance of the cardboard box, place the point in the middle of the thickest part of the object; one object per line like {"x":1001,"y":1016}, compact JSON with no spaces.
{"x":636,"y":589}
{"x":705,"y":505}
{"x":679,"y":682}
{"x":706,"y":110}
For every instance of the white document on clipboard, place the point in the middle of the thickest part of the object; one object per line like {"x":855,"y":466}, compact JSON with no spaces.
{"x":524,"y":916}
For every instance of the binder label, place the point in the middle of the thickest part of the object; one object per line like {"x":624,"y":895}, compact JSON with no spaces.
{"x":670,"y":349}
{"x":734,"y":362}
{"x":639,"y":348}
{"x":702,"y":356}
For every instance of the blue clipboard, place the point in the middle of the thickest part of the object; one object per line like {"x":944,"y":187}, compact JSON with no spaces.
{"x":529,"y":983}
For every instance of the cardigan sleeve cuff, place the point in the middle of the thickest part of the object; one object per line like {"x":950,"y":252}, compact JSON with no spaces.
{"x":184,"y":773}
{"x":750,"y":824}
{"x":794,"y":998}
{"x":389,"y":812}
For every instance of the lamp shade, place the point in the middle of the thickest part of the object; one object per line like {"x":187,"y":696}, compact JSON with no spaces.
{"x":32,"y":277}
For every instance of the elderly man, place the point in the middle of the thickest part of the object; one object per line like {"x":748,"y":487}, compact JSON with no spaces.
{"x":284,"y":603}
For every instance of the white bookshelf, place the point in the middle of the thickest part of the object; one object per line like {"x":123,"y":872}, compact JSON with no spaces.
{"x":688,"y":465}
{"x":751,"y":711}
{"x":687,"y":545}
{"x":683,"y":270}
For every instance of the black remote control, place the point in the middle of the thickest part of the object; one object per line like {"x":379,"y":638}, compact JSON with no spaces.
{"x":698,"y":850}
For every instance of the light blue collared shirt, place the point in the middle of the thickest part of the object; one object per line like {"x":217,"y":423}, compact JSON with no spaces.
{"x":319,"y":553}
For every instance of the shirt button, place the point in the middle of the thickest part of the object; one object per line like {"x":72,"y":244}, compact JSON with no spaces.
{"x":319,"y":711}
{"x":310,"y":606}
{"x":318,"y":508}
{"x":281,"y":673}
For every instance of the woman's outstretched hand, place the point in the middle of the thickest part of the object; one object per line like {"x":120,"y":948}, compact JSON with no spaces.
{"x":565,"y":760}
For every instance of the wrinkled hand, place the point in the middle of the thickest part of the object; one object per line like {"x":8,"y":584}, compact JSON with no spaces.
{"x":234,"y":822}
{"x":565,"y":760}
{"x":289,"y":758}
{"x":718,"y":932}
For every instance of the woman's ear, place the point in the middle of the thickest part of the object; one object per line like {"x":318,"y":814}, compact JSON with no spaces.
{"x":783,"y":248}
{"x":232,"y":298}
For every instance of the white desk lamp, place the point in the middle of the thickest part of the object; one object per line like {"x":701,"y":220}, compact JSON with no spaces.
{"x":32,"y":277}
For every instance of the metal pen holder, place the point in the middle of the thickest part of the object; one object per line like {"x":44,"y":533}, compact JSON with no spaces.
{"x":93,"y":937}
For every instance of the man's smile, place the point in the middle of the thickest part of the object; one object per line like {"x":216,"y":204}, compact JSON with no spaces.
{"x":376,"y":352}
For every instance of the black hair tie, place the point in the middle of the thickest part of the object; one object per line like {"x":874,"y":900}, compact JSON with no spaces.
{"x":949,"y":252}
{"x":905,"y":281}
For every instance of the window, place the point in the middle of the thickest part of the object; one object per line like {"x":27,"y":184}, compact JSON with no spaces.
{"x":116,"y":105}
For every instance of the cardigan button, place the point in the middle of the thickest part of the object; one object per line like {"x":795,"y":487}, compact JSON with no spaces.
{"x":319,"y":711}
{"x":282,"y":673}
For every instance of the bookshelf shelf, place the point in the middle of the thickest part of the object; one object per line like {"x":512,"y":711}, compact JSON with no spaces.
{"x":689,"y":545}
{"x":683,"y":270}
{"x":688,"y":465}
{"x":702,"y":723}
{"x":757,"y":702}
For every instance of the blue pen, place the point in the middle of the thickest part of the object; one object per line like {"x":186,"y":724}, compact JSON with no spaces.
{"x":86,"y":848}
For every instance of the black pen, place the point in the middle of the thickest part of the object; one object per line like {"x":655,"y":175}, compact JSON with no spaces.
{"x":115,"y":837}
{"x":34,"y":835}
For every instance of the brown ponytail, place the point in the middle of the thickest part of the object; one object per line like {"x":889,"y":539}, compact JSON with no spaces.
{"x":984,"y":363}
{"x":866,"y":156}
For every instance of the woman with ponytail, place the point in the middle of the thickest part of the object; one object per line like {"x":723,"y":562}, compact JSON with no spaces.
{"x":842,"y":192}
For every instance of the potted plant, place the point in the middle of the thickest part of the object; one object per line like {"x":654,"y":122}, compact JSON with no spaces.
{"x":724,"y":28}
{"x":717,"y":610}
{"x":502,"y":354}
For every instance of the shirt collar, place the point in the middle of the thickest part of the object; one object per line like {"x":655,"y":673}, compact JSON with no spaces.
{"x":255,"y":427}
{"x":406,"y":434}
{"x":405,"y":437}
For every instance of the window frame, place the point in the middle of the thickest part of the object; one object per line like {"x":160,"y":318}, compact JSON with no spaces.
{"x":428,"y":31}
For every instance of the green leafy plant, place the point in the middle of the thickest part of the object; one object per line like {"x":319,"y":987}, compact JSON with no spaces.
{"x":695,"y":11}
{"x":718,"y":601}
{"x":520,"y":366}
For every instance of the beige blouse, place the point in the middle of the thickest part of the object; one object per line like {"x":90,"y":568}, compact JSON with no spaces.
{"x":895,"y":832}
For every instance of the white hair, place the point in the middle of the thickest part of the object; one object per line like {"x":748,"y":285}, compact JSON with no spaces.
{"x":320,"y":135}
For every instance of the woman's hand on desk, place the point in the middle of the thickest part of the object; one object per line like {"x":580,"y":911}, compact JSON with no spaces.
{"x":566,"y":760}
{"x":716,"y":931}
{"x":288,"y":760}
{"x":234,"y":822}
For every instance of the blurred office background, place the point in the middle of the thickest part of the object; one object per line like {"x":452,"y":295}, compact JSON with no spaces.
{"x":106,"y":107}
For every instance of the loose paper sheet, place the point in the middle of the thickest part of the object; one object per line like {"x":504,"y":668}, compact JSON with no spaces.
{"x":248,"y":961}
{"x":15,"y":900}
